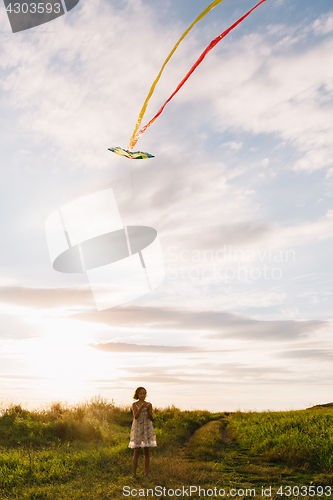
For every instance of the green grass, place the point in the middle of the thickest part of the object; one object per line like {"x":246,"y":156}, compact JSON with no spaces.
{"x":299,"y":438}
{"x":81,"y":452}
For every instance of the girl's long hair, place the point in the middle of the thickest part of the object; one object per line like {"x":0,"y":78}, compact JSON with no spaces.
{"x":136,"y":394}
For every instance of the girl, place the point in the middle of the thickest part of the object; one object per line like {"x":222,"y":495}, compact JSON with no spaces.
{"x":142,"y":431}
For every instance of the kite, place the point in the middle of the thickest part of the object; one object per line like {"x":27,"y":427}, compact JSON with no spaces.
{"x":136,"y":155}
{"x":137,"y":134}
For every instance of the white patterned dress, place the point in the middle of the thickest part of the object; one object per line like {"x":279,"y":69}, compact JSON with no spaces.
{"x":142,"y":431}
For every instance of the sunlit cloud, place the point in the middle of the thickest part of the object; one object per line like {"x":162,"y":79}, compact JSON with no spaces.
{"x":136,"y":348}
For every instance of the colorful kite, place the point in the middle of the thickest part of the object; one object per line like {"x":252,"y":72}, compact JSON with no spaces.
{"x":136,"y":134}
{"x":135,"y":155}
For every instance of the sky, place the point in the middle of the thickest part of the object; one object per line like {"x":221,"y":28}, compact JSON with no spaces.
{"x":239,"y":191}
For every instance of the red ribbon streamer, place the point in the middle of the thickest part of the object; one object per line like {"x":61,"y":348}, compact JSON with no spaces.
{"x":195,"y":65}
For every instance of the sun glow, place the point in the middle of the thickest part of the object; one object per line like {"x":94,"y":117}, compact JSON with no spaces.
{"x":64,"y":361}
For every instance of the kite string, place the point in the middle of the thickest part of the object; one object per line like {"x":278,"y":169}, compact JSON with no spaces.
{"x":195,"y":65}
{"x":152,"y":88}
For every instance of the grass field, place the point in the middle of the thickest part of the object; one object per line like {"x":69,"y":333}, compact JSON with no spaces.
{"x":81,"y":452}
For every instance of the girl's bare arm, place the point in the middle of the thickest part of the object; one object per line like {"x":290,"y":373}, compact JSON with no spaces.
{"x":137,"y":412}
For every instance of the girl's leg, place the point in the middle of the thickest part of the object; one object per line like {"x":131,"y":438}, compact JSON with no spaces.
{"x":135,"y":460}
{"x":147,"y":459}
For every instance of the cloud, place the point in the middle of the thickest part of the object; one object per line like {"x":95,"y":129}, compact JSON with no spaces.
{"x":314,"y":354}
{"x":323,"y":25}
{"x":22,"y":377}
{"x":232,"y":145}
{"x":215,"y":325}
{"x":320,"y":229}
{"x":76,"y":91}
{"x":244,"y":328}
{"x":37,"y":297}
{"x":125,"y":347}
{"x":215,"y":237}
{"x":253,"y":234}
{"x":269,"y":88}
{"x":218,"y":374}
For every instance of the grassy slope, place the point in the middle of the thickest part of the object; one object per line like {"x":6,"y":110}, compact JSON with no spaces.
{"x":82,"y":452}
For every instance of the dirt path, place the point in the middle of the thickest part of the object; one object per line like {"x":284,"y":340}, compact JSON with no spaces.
{"x":224,"y":433}
{"x":216,"y":427}
{"x":212,"y":445}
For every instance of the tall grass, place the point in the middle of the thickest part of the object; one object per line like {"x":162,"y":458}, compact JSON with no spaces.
{"x":96,"y":421}
{"x":57,"y":444}
{"x":301,"y":438}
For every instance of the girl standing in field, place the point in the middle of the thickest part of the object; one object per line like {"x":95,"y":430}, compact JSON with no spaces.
{"x":142,"y":431}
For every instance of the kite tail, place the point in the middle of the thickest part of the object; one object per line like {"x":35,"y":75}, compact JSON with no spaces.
{"x":195,"y":65}
{"x":152,"y":88}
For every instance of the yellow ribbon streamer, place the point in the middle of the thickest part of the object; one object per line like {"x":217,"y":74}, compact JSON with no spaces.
{"x":152,"y":88}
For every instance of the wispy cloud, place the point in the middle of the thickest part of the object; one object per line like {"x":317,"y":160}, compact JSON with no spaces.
{"x":213,"y":324}
{"x":44,"y":298}
{"x":323,"y":25}
{"x":314,"y":354}
{"x":220,"y":375}
{"x":125,"y":347}
{"x":232,"y":145}
{"x":270,"y":90}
